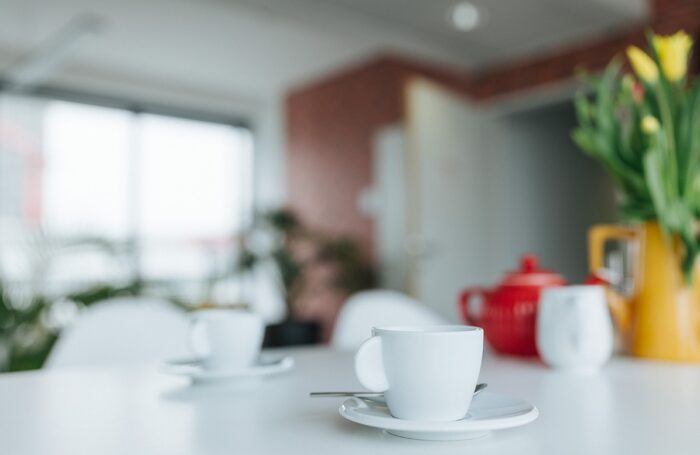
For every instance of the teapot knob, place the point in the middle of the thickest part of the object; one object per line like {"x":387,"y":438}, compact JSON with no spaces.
{"x":529,"y":263}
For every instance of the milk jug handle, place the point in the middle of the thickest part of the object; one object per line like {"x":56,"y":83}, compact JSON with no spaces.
{"x":598,"y":237}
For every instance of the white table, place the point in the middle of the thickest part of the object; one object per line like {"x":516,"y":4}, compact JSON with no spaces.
{"x":631,"y":407}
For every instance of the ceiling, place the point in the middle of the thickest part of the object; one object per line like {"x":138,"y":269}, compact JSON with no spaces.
{"x":510,"y":28}
{"x":249,"y":49}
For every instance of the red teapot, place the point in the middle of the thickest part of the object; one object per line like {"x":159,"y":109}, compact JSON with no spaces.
{"x":508,"y":312}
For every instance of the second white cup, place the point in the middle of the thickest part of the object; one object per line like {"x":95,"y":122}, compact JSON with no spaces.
{"x":574,"y":330}
{"x":426,"y":373}
{"x":226,"y":339}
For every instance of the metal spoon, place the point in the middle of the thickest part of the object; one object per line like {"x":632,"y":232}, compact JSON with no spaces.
{"x":376,"y":396}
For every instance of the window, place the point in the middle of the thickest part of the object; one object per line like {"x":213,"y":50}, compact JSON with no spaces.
{"x":174,"y":191}
{"x":193,"y":193}
{"x":84,"y":186}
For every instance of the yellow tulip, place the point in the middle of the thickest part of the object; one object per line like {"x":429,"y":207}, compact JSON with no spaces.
{"x":650,"y":125}
{"x":673,"y":54}
{"x":642,"y":64}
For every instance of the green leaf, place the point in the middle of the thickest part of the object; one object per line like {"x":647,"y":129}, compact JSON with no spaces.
{"x":691,"y":144}
{"x":584,"y":108}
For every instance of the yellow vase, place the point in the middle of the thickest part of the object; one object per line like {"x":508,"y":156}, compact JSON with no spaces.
{"x":662,"y":318}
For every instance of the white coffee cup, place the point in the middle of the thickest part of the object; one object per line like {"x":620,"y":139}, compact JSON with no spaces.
{"x":226,"y":339}
{"x":574,"y":330}
{"x":427,"y":373}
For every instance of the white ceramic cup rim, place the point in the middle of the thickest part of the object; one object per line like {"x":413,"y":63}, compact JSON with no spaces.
{"x":579,"y":290}
{"x":222,"y":313}
{"x":431,"y":330}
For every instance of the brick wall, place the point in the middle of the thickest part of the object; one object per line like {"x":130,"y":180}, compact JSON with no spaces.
{"x":329,"y":133}
{"x":331,"y":123}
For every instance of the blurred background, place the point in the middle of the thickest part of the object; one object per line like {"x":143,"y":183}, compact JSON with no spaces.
{"x":281,"y":155}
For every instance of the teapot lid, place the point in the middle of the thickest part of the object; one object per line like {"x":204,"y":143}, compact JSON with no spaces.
{"x":530,"y":274}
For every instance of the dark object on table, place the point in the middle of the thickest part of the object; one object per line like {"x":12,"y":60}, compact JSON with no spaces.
{"x":292,"y":333}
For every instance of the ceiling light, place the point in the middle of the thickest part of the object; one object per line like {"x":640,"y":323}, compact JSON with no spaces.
{"x":464,"y":16}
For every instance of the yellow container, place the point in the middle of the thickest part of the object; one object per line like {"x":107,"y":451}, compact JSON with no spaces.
{"x":662,"y":318}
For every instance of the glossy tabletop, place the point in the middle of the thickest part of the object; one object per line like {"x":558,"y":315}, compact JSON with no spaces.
{"x":631,"y":407}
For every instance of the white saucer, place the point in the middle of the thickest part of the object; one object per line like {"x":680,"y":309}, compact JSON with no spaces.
{"x":193,"y":369}
{"x":488,"y":411}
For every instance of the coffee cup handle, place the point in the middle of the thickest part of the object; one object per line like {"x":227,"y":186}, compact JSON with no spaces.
{"x":369,"y":365}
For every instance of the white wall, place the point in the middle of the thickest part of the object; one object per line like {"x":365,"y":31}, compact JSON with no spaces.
{"x":546,"y":192}
{"x":388,"y":207}
{"x":270,"y":164}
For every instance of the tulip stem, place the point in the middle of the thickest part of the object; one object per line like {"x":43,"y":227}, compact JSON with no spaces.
{"x":667,"y":121}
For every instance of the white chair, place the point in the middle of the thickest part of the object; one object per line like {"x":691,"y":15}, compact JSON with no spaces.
{"x":368,"y":309}
{"x":123,"y":330}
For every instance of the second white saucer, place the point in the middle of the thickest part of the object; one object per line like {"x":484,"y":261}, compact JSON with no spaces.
{"x":193,"y":369}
